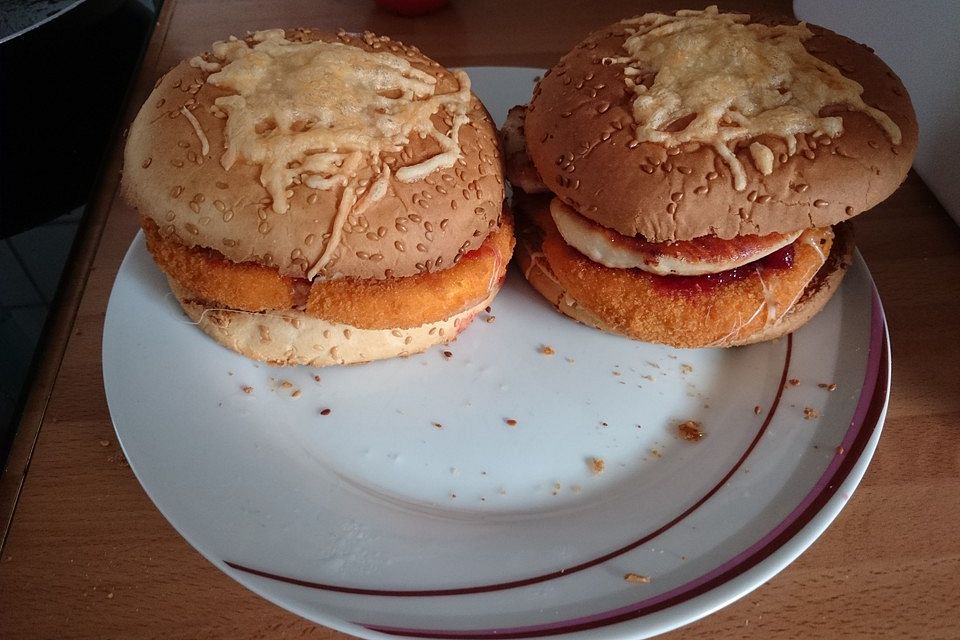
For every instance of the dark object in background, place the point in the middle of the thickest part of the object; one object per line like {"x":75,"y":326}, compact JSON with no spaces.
{"x":65,"y":67}
{"x":412,"y":8}
{"x":62,"y":80}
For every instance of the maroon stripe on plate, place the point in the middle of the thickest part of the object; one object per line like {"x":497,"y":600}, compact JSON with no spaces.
{"x":523,"y":582}
{"x":866,"y":420}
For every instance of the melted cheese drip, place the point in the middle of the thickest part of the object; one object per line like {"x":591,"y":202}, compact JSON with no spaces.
{"x":317,"y":112}
{"x":192,"y":119}
{"x":735,"y":80}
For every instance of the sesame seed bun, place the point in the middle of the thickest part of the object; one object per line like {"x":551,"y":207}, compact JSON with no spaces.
{"x":416,"y":227}
{"x":579,"y":133}
{"x":291,"y":337}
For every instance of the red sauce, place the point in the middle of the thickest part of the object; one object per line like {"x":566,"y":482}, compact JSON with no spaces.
{"x":696,"y":250}
{"x":780,"y":259}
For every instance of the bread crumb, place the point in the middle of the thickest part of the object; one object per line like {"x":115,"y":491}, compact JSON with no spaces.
{"x":511,"y":422}
{"x":448,"y":354}
{"x":104,"y":443}
{"x":636,"y":578}
{"x":690,"y":431}
{"x":296,"y":393}
{"x":285,"y":384}
{"x":490,"y":319}
{"x":809,"y":413}
{"x":685,"y":369}
{"x":247,"y":389}
{"x":325,"y":411}
{"x":596,"y":465}
{"x":649,"y":377}
{"x":757,"y":410}
{"x":437,"y":425}
{"x":547,"y":350}
{"x":656,"y":453}
{"x":793,"y":382}
{"x":840,"y":450}
{"x":828,"y":387}
{"x":556,"y":488}
{"x":569,"y":359}
{"x":110,"y":596}
{"x":487,"y":309}
{"x":316,"y":378}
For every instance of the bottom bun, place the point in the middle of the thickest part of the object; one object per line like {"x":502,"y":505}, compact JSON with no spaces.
{"x":292,"y":337}
{"x":728,"y":314}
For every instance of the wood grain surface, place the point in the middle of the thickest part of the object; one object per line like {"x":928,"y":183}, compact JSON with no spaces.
{"x":87,"y":555}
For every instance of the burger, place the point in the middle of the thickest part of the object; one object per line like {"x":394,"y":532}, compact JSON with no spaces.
{"x":688,"y":178}
{"x":320,"y":198}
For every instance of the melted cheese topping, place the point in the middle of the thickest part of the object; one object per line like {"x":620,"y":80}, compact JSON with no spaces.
{"x":733,"y":81}
{"x":315,"y":113}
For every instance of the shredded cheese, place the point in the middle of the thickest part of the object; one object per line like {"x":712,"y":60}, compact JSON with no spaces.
{"x":316,"y":113}
{"x":204,"y":143}
{"x":733,"y":81}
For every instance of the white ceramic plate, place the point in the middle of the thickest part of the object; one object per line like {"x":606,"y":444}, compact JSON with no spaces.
{"x":412,"y":507}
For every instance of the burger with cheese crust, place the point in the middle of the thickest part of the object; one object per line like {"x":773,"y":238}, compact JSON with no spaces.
{"x":320,"y":198}
{"x":687,"y":179}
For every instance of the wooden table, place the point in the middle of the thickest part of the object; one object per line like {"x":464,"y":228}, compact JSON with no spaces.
{"x":85,"y":553}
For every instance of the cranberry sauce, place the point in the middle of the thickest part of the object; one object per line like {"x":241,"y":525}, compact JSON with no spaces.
{"x":782,"y":258}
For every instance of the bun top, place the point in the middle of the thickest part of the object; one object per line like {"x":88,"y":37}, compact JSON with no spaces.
{"x":673,"y":127}
{"x":321,"y":155}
